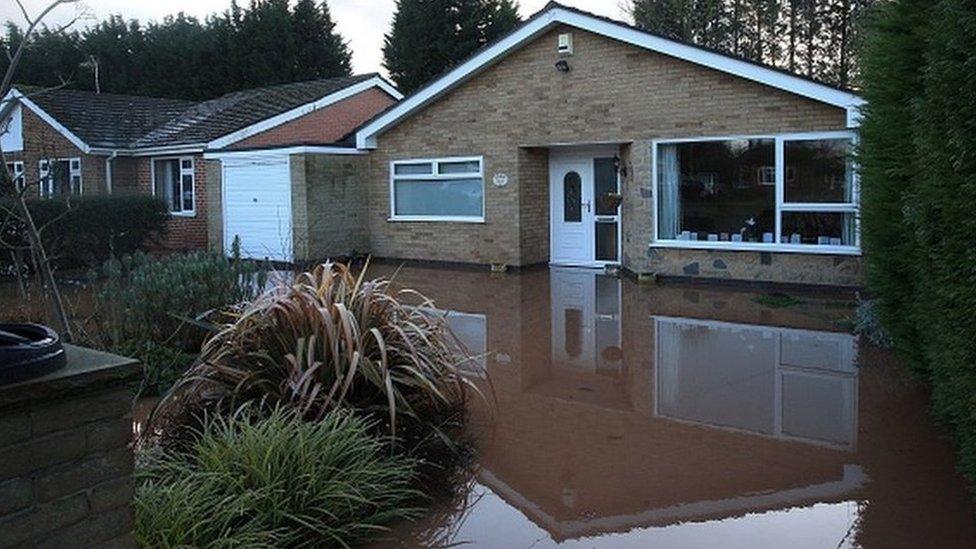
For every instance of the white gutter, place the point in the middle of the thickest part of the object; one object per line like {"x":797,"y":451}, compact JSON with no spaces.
{"x":302,"y":149}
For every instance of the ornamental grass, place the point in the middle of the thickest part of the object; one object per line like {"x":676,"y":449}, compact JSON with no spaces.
{"x":329,"y":340}
{"x":274,"y":480}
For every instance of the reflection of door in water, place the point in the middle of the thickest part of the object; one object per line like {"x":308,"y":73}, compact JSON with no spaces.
{"x":585,"y":319}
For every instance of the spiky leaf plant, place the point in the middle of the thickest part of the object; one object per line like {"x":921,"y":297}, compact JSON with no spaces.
{"x":330,"y":340}
{"x":280,"y":481}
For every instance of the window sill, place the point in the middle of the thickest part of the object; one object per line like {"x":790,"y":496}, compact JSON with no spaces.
{"x":423,"y":219}
{"x":182,"y":214}
{"x":810,"y":249}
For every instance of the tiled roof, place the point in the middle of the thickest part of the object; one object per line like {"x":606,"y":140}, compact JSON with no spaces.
{"x":123,"y":121}
{"x":105,"y":119}
{"x":218,"y":117}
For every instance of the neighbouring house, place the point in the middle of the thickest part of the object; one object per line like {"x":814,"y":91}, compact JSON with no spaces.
{"x":83,"y":143}
{"x":574,"y":140}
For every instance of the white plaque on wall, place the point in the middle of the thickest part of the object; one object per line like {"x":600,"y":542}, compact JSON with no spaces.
{"x":500,"y":180}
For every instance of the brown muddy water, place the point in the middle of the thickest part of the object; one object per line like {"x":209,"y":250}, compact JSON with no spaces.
{"x":620,"y":415}
{"x":668,"y":416}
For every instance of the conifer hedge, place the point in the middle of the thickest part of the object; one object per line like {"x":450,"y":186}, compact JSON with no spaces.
{"x":918,"y":161}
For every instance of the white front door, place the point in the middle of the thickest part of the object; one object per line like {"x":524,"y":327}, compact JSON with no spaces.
{"x":571,"y":192}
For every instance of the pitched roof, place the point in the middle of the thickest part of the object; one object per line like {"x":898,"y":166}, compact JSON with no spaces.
{"x":133,"y":122}
{"x":105,"y":119}
{"x":554,"y":14}
{"x":216,"y":118}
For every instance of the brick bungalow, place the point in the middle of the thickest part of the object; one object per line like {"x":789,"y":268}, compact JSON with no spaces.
{"x":82,"y":143}
{"x":580,"y":140}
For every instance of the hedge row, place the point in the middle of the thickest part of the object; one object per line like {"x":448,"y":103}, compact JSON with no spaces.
{"x":86,"y":231}
{"x":918,"y":163}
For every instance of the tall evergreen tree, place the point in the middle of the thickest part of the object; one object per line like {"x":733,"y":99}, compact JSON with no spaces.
{"x":320,"y":50}
{"x":431,"y":36}
{"x":268,"y":42}
{"x":817,"y":38}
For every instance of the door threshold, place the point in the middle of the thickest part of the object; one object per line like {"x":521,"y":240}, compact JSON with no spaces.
{"x":593,"y":266}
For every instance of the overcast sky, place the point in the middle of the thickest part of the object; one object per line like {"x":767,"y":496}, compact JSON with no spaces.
{"x":362,"y":22}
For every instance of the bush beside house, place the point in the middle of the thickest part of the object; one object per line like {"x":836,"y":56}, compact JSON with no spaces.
{"x":86,"y":231}
{"x":919,"y":186}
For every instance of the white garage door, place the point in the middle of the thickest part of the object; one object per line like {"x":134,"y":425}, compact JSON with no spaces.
{"x":257,"y":207}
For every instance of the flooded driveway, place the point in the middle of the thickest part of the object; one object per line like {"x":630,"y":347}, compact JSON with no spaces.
{"x":670,"y":416}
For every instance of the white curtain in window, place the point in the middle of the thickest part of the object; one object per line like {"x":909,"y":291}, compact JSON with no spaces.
{"x":669,"y":192}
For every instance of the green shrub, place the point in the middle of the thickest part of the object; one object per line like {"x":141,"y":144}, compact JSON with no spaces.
{"x":919,"y":180}
{"x":331,"y":340}
{"x":889,"y":166}
{"x":162,"y":365}
{"x":867,"y":324}
{"x":276,"y":482}
{"x":150,"y":299}
{"x":86,"y":231}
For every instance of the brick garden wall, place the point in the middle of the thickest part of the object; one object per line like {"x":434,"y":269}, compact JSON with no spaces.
{"x":615,"y":93}
{"x":65,"y":457}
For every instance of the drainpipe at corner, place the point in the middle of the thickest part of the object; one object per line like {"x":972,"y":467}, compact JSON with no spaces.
{"x":108,"y":171}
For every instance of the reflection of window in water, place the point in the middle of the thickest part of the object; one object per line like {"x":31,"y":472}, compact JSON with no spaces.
{"x":791,"y":384}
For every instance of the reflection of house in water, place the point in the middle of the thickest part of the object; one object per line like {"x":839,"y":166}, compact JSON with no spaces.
{"x":601,"y":428}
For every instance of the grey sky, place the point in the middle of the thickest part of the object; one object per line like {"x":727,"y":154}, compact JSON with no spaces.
{"x":362,"y":22}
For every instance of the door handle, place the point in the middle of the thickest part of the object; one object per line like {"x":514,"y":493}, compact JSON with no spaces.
{"x":586,"y":203}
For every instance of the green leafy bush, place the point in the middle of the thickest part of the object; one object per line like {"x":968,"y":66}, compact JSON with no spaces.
{"x":276,"y":482}
{"x":919,"y":187}
{"x":162,"y":364}
{"x":867,"y":324}
{"x":157,"y":299}
{"x":86,"y":231}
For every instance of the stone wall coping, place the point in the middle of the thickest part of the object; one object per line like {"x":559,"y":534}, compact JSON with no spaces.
{"x":85,"y":369}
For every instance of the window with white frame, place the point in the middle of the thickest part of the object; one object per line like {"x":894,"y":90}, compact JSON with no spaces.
{"x":787,"y":192}
{"x":15,"y":170}
{"x":174,"y":181}
{"x":61,"y":177}
{"x":447,"y":189}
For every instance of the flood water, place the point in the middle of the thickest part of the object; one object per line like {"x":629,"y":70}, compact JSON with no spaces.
{"x":620,"y":415}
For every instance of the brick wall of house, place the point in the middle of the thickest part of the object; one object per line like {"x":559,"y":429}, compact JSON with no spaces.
{"x":42,"y":141}
{"x":325,"y":125}
{"x":328,"y":205}
{"x":615,"y":93}
{"x":183,"y":232}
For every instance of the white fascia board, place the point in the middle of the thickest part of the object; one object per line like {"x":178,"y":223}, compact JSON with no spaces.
{"x":366,"y":138}
{"x":169,"y":150}
{"x":303,"y":149}
{"x":68,"y":134}
{"x":303,"y":110}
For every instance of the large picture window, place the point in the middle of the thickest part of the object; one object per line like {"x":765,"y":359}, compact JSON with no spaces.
{"x":174,"y":181}
{"x":448,"y":189}
{"x":786,"y":193}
